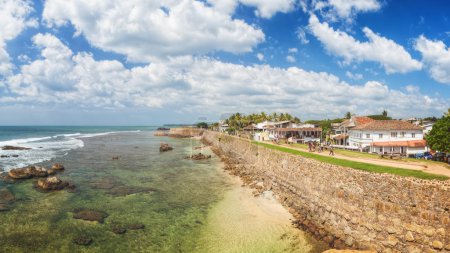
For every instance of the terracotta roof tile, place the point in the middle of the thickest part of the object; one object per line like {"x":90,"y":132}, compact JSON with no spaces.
{"x":415,"y":143}
{"x":387,"y":125}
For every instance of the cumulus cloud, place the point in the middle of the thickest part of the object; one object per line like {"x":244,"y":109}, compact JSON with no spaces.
{"x":264,"y":8}
{"x":353,"y":76}
{"x":14,"y":18}
{"x":62,"y":77}
{"x":334,"y":10}
{"x":436,"y":56}
{"x":290,"y":58}
{"x":260,"y":56}
{"x":390,"y":55}
{"x":301,"y":35}
{"x":144,"y":30}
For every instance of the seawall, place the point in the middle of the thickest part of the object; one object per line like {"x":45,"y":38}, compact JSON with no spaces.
{"x":344,"y":207}
{"x":185,"y":132}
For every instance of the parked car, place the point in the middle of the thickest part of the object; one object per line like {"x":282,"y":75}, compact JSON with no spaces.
{"x":448,"y":158}
{"x":426,"y":156}
{"x":439,"y":156}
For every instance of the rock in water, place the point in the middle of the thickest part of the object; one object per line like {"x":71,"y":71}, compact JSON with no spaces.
{"x":57,"y":166}
{"x":82,"y":240}
{"x":14,"y":148}
{"x":136,"y":226}
{"x":51,"y":184}
{"x":21,"y":173}
{"x":165,"y":147}
{"x":119,"y":230}
{"x":198,"y":156}
{"x":90,"y":215}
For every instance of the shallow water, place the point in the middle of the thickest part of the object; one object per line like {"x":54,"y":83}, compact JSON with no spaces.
{"x":186,"y":206}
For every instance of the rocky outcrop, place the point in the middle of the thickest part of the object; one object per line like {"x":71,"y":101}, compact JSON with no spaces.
{"x":90,"y":215}
{"x":165,"y":147}
{"x":14,"y":148}
{"x":57,"y":167}
{"x":52,"y":184}
{"x":198,"y":156}
{"x":161,"y":133}
{"x":24,"y":173}
{"x":347,"y":208}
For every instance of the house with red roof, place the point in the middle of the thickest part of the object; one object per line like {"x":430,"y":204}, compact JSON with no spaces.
{"x":388,"y":136}
{"x":341,"y":130}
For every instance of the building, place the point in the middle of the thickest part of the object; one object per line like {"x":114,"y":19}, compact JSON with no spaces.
{"x":340,"y":136}
{"x":387,"y":136}
{"x":298,"y":134}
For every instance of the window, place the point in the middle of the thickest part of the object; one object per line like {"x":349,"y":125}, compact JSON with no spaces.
{"x":380,"y":136}
{"x":367,"y":136}
{"x":413,"y":135}
{"x":402,"y":134}
{"x":394,"y":134}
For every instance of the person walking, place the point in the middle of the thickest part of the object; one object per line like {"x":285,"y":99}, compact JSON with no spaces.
{"x":331,"y":150}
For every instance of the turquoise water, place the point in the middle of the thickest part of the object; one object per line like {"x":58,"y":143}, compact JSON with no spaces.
{"x":181,"y":203}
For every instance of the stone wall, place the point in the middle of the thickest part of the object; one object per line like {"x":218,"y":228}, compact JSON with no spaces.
{"x":185,"y":132}
{"x":345,"y":207}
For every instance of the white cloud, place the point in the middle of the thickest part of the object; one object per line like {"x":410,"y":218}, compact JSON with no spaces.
{"x":144,"y":30}
{"x":301,"y":35}
{"x":14,"y":18}
{"x":264,"y":8}
{"x":436,"y":56}
{"x":390,"y":55}
{"x":293,"y":50}
{"x":260,"y":56}
{"x":412,"y":88}
{"x":353,"y":76}
{"x":290,"y":58}
{"x":62,"y":77}
{"x":345,"y":9}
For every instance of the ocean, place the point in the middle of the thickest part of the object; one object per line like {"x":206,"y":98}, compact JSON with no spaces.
{"x":183,"y":205}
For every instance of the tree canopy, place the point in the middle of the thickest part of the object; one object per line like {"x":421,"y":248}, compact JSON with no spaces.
{"x":239,"y":120}
{"x":439,"y":137}
{"x":202,"y":125}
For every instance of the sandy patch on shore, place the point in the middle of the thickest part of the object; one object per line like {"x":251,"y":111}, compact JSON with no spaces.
{"x":244,"y":223}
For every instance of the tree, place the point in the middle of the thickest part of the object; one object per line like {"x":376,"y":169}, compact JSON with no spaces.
{"x":202,"y":125}
{"x":439,"y":137}
{"x":384,"y":113}
{"x":348,"y":115}
{"x":447,"y":114}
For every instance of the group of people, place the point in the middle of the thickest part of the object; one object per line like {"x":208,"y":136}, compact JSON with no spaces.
{"x":313,"y":145}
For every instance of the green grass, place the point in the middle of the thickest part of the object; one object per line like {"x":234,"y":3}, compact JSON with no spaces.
{"x":355,"y":165}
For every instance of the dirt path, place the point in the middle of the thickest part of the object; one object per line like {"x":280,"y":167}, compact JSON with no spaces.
{"x":429,"y":168}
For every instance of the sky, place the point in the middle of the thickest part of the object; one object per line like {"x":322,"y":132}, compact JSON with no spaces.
{"x":146,"y":62}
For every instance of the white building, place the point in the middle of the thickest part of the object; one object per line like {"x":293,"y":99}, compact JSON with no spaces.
{"x":388,"y":136}
{"x":340,"y":135}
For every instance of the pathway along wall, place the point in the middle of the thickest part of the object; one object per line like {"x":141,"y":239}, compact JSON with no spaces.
{"x":345,"y":207}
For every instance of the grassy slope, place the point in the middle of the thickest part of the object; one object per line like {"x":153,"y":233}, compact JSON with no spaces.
{"x":356,"y":165}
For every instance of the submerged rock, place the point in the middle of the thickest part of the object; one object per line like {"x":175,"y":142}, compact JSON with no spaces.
{"x":90,"y":215}
{"x":82,"y":240}
{"x":115,"y":158}
{"x":165,"y":147}
{"x":51,"y":184}
{"x":6,"y":198}
{"x":14,"y":148}
{"x":4,"y":156}
{"x":198,"y":156}
{"x":136,"y":226}
{"x":114,"y":187}
{"x":119,"y":230}
{"x":57,"y":166}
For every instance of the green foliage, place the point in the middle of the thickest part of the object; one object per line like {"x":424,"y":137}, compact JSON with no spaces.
{"x":325,"y":125}
{"x":380,"y":117}
{"x":348,"y":115}
{"x":238,"y":120}
{"x":432,"y":119}
{"x":439,"y":137}
{"x":356,"y":165}
{"x":384,"y":113}
{"x":202,"y":125}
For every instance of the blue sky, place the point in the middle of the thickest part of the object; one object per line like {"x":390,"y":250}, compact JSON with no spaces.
{"x":143,"y":62}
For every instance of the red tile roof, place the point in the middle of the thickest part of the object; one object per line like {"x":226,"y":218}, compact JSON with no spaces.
{"x":387,"y":125}
{"x":415,"y":143}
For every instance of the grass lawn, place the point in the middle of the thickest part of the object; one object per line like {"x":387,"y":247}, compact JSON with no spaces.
{"x":355,"y":165}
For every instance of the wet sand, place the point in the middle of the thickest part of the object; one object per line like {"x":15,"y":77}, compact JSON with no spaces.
{"x":244,"y":223}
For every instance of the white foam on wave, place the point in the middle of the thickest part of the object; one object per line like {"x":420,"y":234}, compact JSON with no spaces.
{"x":43,"y":148}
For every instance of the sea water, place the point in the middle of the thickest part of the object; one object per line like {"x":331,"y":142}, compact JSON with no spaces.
{"x":185,"y":205}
